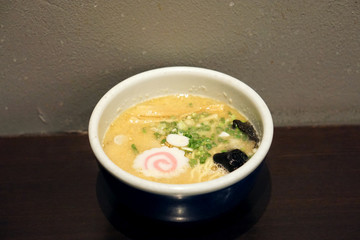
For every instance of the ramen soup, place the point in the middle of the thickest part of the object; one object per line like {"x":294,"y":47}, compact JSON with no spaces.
{"x":180,"y":139}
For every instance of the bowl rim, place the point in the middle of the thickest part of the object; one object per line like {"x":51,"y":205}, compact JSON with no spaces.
{"x":181,"y":189}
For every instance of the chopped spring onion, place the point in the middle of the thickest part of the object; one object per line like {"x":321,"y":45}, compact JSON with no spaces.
{"x":134,"y":148}
{"x":199,"y":134}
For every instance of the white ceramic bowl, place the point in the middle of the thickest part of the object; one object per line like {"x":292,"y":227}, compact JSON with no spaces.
{"x":182,"y":202}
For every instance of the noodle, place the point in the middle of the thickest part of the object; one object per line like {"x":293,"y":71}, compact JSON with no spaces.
{"x":184,"y":130}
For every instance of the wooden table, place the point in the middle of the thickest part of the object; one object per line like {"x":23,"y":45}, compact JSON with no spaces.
{"x":51,"y":188}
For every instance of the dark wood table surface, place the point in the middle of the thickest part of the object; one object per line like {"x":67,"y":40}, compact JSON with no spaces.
{"x":51,"y":188}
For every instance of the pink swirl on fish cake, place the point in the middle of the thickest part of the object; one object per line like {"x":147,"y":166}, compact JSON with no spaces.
{"x":161,"y":162}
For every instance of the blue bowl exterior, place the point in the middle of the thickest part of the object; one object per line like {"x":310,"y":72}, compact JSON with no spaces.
{"x":179,"y":208}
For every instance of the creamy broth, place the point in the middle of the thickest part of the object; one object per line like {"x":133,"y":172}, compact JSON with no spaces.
{"x":190,"y":127}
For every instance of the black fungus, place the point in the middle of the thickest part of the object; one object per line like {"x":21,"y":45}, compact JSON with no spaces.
{"x":231,"y":160}
{"x":246,"y":128}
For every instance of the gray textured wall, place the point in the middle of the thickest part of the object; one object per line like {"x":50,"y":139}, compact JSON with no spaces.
{"x":59,"y":57}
